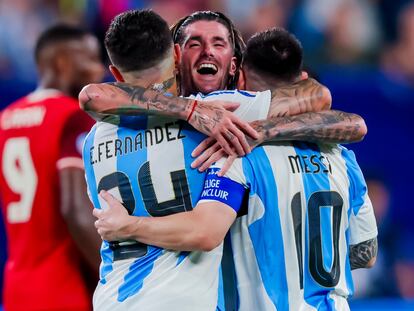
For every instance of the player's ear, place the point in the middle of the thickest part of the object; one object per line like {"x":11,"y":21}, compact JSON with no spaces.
{"x":233,"y":66}
{"x":116,"y":73}
{"x":304,"y":75}
{"x":177,"y":55}
{"x":241,"y":83}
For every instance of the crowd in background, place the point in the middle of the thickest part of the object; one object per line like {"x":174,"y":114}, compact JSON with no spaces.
{"x":363,"y":50}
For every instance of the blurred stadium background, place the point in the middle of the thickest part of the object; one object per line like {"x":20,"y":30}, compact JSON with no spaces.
{"x":363,"y":50}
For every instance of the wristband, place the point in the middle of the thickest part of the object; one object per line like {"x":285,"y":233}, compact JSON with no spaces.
{"x":192,"y":110}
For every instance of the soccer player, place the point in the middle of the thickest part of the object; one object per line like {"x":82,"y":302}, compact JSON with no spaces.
{"x":209,"y":39}
{"x":309,"y":219}
{"x":131,"y":162}
{"x":53,"y":248}
{"x":147,"y":165}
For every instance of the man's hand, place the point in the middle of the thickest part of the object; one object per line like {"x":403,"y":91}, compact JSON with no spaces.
{"x":214,"y":119}
{"x":114,"y":223}
{"x":210,"y":151}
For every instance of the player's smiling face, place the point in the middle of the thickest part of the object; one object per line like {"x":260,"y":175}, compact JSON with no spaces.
{"x":207,"y":58}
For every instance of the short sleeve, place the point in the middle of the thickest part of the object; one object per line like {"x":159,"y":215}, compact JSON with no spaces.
{"x":362,"y":223}
{"x":253,"y":105}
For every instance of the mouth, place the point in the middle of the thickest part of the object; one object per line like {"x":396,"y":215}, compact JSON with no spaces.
{"x":207,"y":69}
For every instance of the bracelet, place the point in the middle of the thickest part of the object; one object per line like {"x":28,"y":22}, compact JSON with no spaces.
{"x":192,"y":110}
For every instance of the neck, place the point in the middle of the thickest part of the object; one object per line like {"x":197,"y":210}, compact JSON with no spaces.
{"x":49,"y":80}
{"x":160,"y":77}
{"x":261,"y":82}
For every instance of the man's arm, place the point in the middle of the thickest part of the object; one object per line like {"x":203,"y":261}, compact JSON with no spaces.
{"x":310,"y":96}
{"x":203,"y":228}
{"x":326,"y":126}
{"x":75,"y":206}
{"x":364,"y":254}
{"x":101,"y":101}
{"x":76,"y":210}
{"x":329,"y":126}
{"x":304,"y":96}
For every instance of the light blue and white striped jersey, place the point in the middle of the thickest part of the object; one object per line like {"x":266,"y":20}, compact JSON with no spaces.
{"x":145,"y":162}
{"x":307,"y":203}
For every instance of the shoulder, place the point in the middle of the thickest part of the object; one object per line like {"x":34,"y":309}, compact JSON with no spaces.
{"x":225,"y":95}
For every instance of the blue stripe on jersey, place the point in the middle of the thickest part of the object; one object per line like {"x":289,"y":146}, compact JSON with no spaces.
{"x":89,"y":172}
{"x":138,"y":271}
{"x":358,"y":187}
{"x":107,"y":257}
{"x":194,"y":177}
{"x":182,"y":256}
{"x":106,"y":253}
{"x":266,"y":232}
{"x":315,"y":294}
{"x":231,"y":294}
{"x":357,"y":192}
{"x":133,"y":122}
{"x":130,"y":163}
{"x":217,"y":93}
{"x":247,"y":94}
{"x":196,"y":183}
{"x":220,"y":296}
{"x":348,"y":274}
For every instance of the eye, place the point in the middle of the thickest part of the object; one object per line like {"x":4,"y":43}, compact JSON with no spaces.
{"x":194,"y":44}
{"x":220,"y":45}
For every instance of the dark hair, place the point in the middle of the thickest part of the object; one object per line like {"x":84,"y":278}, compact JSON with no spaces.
{"x":274,"y":52}
{"x":236,"y":38}
{"x":137,"y":39}
{"x":55,"y":34}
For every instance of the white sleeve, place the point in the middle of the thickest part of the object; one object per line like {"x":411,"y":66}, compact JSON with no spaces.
{"x":253,"y":105}
{"x":362,"y":224}
{"x":235,"y":171}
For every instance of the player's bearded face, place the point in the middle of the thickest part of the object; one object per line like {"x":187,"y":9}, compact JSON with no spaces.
{"x":207,"y":59}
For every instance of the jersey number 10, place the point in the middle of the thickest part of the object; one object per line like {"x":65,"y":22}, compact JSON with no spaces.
{"x":315,"y":260}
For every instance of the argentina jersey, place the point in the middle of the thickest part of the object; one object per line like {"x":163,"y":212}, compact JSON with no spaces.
{"x":307,"y":204}
{"x":144,"y":161}
{"x":253,"y":105}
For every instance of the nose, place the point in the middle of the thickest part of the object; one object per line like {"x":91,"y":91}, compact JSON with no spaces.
{"x":207,"y":50}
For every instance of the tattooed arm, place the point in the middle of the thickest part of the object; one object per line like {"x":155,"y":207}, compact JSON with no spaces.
{"x":311,"y":96}
{"x":304,"y":96}
{"x":211,"y":118}
{"x":326,"y":126}
{"x":100,"y":100}
{"x":363,"y":255}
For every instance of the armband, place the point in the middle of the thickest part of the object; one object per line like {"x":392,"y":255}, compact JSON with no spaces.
{"x":222,"y":189}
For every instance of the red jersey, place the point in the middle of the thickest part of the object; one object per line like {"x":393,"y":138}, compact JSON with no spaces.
{"x":39,"y":134}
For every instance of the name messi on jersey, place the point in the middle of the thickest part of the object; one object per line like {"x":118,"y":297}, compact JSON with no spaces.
{"x":129,"y":144}
{"x":313,"y":164}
